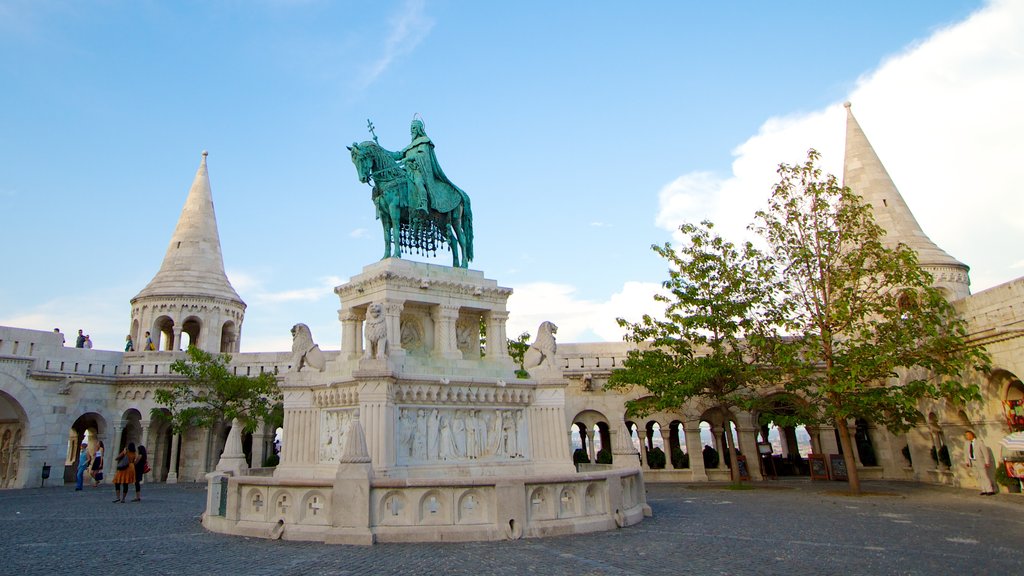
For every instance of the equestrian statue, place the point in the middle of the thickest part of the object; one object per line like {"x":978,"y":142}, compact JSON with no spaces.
{"x":417,"y":205}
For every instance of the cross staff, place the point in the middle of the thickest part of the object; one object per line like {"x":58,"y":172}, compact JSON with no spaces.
{"x":370,"y":126}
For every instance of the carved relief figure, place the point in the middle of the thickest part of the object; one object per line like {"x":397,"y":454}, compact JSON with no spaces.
{"x":419,"y":441}
{"x":334,"y":425}
{"x":541,"y":354}
{"x":412,"y":335}
{"x":406,"y":431}
{"x":376,"y":333}
{"x":464,"y":332}
{"x":304,"y":351}
{"x":448,"y":434}
{"x":433,"y":431}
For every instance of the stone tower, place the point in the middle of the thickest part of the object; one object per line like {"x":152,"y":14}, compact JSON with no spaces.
{"x":190,"y":293}
{"x":864,"y":173}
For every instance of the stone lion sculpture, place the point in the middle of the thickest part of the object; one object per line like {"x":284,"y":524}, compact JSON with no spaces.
{"x":541,"y":354}
{"x":305,"y":352}
{"x":376,"y":333}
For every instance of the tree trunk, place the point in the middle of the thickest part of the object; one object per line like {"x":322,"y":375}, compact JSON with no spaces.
{"x":734,"y":464}
{"x":848,"y":456}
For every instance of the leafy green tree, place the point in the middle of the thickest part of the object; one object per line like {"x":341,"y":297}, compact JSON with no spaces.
{"x":860,"y":314}
{"x":517,"y":350}
{"x":211,"y":394}
{"x":717,"y":300}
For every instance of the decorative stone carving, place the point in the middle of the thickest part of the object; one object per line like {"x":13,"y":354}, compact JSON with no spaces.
{"x":448,"y":434}
{"x":412,"y":336}
{"x":334,"y":426}
{"x":376,"y":333}
{"x":541,"y":353}
{"x":304,"y":351}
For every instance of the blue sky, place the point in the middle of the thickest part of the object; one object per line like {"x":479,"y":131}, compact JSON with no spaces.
{"x":583,"y":132}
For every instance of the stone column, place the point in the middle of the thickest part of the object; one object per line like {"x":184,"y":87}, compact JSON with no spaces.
{"x":665,"y":434}
{"x":828,"y":440}
{"x":377,"y":415}
{"x":496,"y":320}
{"x":591,"y":449}
{"x":643,"y":451}
{"x":716,"y":441}
{"x":748,"y":443}
{"x":445,"y":342}
{"x":172,"y":474}
{"x":695,"y":449}
{"x":351,"y":334}
{"x":176,"y":345}
{"x":259,"y":445}
{"x":393,"y":319}
{"x":851,"y":426}
{"x":110,"y":450}
{"x":144,"y":440}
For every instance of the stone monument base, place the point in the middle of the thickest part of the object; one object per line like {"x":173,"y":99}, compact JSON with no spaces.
{"x":427,"y":510}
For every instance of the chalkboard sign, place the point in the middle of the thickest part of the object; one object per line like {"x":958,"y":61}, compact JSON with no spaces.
{"x":741,"y":463}
{"x":838,"y":465}
{"x":819,"y":470}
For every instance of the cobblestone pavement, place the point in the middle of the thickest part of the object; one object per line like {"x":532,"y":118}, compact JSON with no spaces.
{"x":786,"y":527}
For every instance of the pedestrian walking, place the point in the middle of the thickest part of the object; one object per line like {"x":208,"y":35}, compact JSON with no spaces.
{"x":96,"y":469}
{"x":83,"y":464}
{"x":980,"y":462}
{"x":125,"y":474}
{"x":141,"y":467}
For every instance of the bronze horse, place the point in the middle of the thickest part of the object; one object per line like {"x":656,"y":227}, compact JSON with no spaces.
{"x":403,"y":224}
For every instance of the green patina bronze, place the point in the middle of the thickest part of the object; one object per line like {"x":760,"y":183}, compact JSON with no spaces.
{"x":418,"y":205}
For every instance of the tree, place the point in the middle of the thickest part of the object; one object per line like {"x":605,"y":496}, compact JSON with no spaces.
{"x":717,"y":295}
{"x":212,"y":394}
{"x":870,"y":336}
{"x":517,"y":350}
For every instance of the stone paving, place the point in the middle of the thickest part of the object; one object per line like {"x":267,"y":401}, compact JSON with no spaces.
{"x":785,"y":527}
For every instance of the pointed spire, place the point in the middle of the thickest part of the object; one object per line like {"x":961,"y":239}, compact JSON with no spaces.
{"x":193,"y":264}
{"x":864,"y":173}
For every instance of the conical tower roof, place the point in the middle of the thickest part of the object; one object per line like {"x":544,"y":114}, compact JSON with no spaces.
{"x":864,"y":173}
{"x":193,"y":265}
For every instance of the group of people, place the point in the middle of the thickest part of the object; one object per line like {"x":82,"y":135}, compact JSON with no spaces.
{"x":132,"y":465}
{"x":129,"y":344}
{"x":83,"y":340}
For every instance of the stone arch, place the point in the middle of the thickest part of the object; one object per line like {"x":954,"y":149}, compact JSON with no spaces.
{"x":283,"y":505}
{"x":229,"y":337}
{"x":315,"y":508}
{"x":433,"y":508}
{"x":568,"y":502}
{"x":163,"y":333}
{"x":193,"y":328}
{"x":540,"y":504}
{"x":1004,"y":388}
{"x":791,"y":440}
{"x":134,"y":333}
{"x":13,"y":430}
{"x":90,"y":427}
{"x":131,"y":428}
{"x":594,"y":499}
{"x":471,"y":509}
{"x":592,"y":425}
{"x":159,"y":444}
{"x":393,"y":509}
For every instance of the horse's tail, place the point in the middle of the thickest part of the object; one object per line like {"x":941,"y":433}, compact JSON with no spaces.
{"x":467,"y":225}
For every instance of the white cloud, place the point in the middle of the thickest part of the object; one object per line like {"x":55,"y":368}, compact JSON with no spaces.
{"x":576,"y":319}
{"x":943,"y":117}
{"x":359,"y":233}
{"x":407,"y":28}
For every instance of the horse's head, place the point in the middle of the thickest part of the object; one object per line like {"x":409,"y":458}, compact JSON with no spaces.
{"x":362,"y":157}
